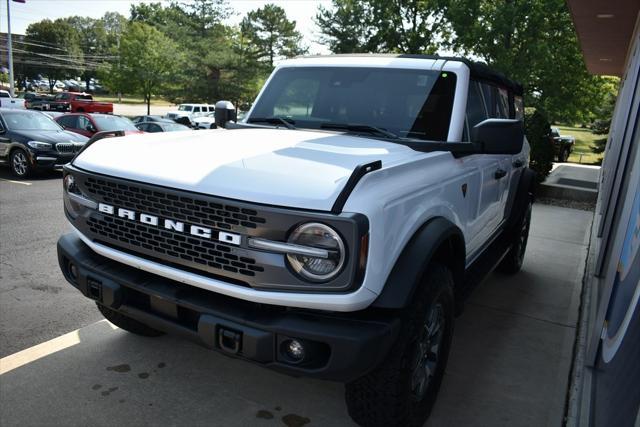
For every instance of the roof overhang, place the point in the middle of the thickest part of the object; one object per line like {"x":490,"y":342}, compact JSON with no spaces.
{"x":605,"y":29}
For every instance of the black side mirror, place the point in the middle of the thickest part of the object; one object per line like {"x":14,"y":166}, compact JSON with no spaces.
{"x":91,"y":128}
{"x":499,"y":136}
{"x":225,"y":112}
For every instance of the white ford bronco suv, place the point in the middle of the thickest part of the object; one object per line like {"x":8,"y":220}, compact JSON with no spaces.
{"x":333,"y":233}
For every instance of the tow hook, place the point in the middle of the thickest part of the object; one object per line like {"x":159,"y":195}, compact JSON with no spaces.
{"x":229,"y":341}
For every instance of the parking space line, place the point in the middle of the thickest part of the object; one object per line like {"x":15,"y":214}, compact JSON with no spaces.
{"x":15,"y":182}
{"x":31,"y":354}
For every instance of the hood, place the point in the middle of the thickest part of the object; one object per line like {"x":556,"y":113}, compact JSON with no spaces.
{"x":51,"y":136}
{"x":292,"y":168}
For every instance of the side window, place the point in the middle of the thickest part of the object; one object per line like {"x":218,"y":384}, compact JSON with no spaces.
{"x":489,"y":100}
{"x":503,"y":103}
{"x":68,"y":122}
{"x":518,"y":103}
{"x":83,"y":122}
{"x":196,"y":109}
{"x":142,"y":126}
{"x":152,"y":127}
{"x":475,"y":107}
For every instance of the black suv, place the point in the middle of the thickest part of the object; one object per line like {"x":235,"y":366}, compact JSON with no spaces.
{"x":31,"y":140}
{"x":562,"y":144}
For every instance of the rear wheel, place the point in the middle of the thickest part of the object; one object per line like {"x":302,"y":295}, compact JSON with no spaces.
{"x":127,"y":323}
{"x":403,"y":389}
{"x":512,"y":262}
{"x":564,"y":155}
{"x":20,"y":166}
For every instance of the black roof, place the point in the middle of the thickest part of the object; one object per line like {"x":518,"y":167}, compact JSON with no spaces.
{"x":479,"y":70}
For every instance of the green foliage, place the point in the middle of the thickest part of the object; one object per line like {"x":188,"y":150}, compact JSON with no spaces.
{"x":271,"y":34}
{"x":405,"y":26}
{"x":603,"y":115}
{"x":54,"y":48}
{"x":533,"y":42}
{"x":538,"y":131}
{"x":148,"y":61}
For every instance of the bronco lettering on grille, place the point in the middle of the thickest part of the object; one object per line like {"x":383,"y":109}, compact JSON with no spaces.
{"x":169,"y":224}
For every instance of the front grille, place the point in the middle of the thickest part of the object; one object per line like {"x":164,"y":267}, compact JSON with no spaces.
{"x":171,"y":206}
{"x":68,"y":147}
{"x":208,"y":255}
{"x":167,"y":244}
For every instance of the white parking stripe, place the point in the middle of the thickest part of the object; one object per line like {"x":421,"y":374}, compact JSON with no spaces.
{"x":39,"y":351}
{"x":15,"y":182}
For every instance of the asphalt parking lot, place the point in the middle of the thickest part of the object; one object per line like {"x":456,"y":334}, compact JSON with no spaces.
{"x":61,"y":365}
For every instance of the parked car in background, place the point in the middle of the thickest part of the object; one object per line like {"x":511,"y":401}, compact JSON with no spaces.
{"x":205,"y":122}
{"x":41,"y":101}
{"x":89,"y":124}
{"x":8,"y":101}
{"x":79,"y":102}
{"x":140,"y":119}
{"x":31,"y":141}
{"x":154,"y":127}
{"x":189,"y":112}
{"x":563,"y":144}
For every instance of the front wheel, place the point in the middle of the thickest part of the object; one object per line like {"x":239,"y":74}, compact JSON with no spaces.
{"x":20,"y":166}
{"x":512,"y":262}
{"x":403,"y":389}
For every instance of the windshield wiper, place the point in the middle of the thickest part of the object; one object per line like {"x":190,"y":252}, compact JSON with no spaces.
{"x":275,"y":120}
{"x":354,"y":127}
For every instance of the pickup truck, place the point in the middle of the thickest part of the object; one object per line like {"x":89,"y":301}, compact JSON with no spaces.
{"x":8,"y":101}
{"x":562,"y":144}
{"x":77,"y":102}
{"x":333,"y":233}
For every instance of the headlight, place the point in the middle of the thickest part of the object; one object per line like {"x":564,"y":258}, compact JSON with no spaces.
{"x":316,"y":235}
{"x":69,"y":183}
{"x":39,"y":145}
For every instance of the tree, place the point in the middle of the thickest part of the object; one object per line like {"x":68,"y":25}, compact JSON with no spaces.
{"x":272,"y":34}
{"x":148,"y":60}
{"x":404,"y":26}
{"x":603,"y":115}
{"x":54,"y":48}
{"x":533,"y":42}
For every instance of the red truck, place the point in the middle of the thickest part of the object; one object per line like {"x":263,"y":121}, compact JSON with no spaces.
{"x":78,"y":102}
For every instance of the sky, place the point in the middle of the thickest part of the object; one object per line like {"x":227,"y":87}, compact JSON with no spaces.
{"x":302,"y":11}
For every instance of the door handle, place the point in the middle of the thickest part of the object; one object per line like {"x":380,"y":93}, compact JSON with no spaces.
{"x":500,"y":173}
{"x":518,"y":163}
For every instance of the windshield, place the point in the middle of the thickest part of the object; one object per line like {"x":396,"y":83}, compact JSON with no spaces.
{"x":185,"y":108}
{"x":406,"y":102}
{"x":105,"y":123}
{"x":29,"y":121}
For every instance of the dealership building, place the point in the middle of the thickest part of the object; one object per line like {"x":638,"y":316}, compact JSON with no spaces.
{"x":605,"y":387}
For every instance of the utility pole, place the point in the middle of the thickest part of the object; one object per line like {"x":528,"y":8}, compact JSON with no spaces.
{"x":10,"y":49}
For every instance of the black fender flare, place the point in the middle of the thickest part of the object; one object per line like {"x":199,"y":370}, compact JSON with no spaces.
{"x":414,"y":259}
{"x":525,"y":193}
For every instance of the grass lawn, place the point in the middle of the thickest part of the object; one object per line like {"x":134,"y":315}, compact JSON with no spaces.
{"x":129,"y":100}
{"x":584,"y":140}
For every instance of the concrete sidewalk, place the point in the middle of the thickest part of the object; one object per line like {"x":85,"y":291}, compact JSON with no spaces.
{"x":572,"y":181}
{"x":509,"y":363}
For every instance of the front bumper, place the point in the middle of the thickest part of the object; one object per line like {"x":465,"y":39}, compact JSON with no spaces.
{"x":340,"y":347}
{"x":51,"y":160}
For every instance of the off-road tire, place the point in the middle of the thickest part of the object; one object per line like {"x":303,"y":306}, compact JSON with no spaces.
{"x":127,"y":323}
{"x":385,"y":396}
{"x":19,"y":163}
{"x":512,"y":262}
